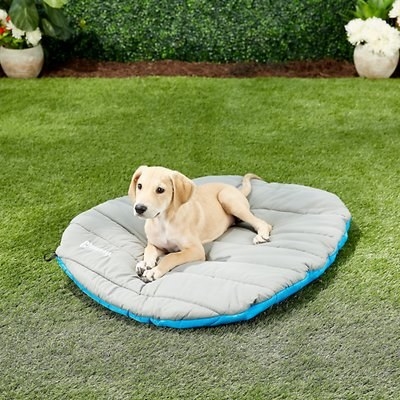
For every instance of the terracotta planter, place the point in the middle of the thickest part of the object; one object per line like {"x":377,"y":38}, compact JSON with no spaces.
{"x":24,"y":63}
{"x":372,"y":65}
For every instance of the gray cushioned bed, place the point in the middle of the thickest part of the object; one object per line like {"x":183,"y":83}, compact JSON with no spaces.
{"x":100,"y":248}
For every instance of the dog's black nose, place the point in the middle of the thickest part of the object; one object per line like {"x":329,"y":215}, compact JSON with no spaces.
{"x":140,"y":208}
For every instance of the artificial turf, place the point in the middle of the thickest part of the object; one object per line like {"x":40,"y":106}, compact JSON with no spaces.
{"x":69,"y":144}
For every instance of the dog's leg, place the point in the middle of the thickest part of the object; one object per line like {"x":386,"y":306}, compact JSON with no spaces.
{"x":237,"y":204}
{"x":151,"y":254}
{"x":172,"y":260}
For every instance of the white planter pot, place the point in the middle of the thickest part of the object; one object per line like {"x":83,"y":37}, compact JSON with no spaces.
{"x":372,"y":65}
{"x":22,"y":63}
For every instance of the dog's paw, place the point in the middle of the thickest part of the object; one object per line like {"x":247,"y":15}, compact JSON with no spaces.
{"x":260,"y":239}
{"x":151,"y":275}
{"x":143,"y":266}
{"x":263,"y":235}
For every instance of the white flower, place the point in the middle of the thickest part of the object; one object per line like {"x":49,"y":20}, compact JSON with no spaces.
{"x":3,"y":15}
{"x":34,"y":37}
{"x":395,"y":11}
{"x":375,"y":34}
{"x":15,"y":32}
{"x":355,"y":31}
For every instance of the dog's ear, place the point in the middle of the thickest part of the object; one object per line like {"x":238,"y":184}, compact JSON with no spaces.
{"x":183,"y":188}
{"x":135,"y":177}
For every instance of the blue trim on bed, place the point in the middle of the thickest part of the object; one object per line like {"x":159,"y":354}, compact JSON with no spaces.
{"x":251,"y":312}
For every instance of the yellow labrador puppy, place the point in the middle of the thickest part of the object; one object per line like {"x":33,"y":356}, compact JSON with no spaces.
{"x":181,"y":217}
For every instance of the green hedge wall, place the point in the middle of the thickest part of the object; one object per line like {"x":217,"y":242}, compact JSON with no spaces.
{"x":210,"y":30}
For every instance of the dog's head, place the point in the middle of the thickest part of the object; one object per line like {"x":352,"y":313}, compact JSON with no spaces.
{"x":154,"y":190}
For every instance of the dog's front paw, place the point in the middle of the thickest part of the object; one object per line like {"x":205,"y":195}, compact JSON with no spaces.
{"x":263,"y":235}
{"x":143,"y":266}
{"x":151,"y":275}
{"x":260,"y":239}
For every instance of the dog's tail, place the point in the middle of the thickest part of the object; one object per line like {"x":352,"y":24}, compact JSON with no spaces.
{"x":246,"y":183}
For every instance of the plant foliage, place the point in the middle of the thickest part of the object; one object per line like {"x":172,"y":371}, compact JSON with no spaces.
{"x":217,"y":31}
{"x":373,"y":8}
{"x":48,"y":15}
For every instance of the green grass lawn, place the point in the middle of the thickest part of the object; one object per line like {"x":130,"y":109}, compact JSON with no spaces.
{"x":69,"y":144}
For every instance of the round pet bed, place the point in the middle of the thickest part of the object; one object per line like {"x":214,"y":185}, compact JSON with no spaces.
{"x":100,"y":248}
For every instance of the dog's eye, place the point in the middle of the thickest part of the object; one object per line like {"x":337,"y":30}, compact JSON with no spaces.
{"x":139,"y":186}
{"x":160,"y":190}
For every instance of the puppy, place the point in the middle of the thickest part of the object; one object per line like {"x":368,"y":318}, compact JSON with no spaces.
{"x":181,"y":217}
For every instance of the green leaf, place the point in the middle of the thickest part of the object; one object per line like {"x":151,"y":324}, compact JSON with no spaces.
{"x":48,"y":28}
{"x":24,"y":14}
{"x":56,"y":3}
{"x":373,"y":8}
{"x":56,"y":24}
{"x":54,"y":31}
{"x":56,"y":16}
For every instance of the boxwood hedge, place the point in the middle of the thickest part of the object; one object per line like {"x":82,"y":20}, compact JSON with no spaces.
{"x":210,"y":30}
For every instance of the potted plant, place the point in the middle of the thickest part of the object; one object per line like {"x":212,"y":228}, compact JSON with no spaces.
{"x":22,"y":25}
{"x":375,"y":37}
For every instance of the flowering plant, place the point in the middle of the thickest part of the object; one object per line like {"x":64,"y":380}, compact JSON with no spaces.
{"x":374,"y":33}
{"x":374,"y":28}
{"x":14,"y":38}
{"x":23,"y":22}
